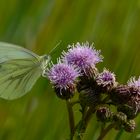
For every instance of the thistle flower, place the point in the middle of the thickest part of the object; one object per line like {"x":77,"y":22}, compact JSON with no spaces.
{"x":130,"y":126}
{"x":63,"y":77}
{"x":135,"y":93}
{"x":121,"y":94}
{"x":104,"y":114}
{"x":128,"y":110}
{"x":135,"y":85}
{"x":83,"y":56}
{"x":134,"y":82}
{"x":134,"y":102}
{"x":120,"y":119}
{"x":89,"y":97}
{"x":106,"y":80}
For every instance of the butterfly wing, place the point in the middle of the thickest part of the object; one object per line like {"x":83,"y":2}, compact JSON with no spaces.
{"x":19,"y":70}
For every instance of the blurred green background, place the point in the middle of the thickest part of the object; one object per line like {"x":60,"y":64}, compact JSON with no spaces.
{"x":39,"y":25}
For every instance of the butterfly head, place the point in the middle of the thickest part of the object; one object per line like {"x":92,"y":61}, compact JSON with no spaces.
{"x":44,"y":61}
{"x":46,"y":57}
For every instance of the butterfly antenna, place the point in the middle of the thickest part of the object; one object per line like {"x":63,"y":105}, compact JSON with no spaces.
{"x":55,"y":47}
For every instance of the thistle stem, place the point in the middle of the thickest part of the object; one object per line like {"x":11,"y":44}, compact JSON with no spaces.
{"x":105,"y":131}
{"x":82,"y":125}
{"x":89,"y":115}
{"x":71,"y":119}
{"x":105,"y":100}
{"x":75,"y":102}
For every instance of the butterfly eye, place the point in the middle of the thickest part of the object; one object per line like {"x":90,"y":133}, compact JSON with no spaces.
{"x":47,"y":57}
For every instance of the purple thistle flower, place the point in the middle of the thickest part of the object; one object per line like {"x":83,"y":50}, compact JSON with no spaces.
{"x":120,"y":94}
{"x":82,"y":56}
{"x":62,"y":75}
{"x":106,"y":80}
{"x":134,"y":83}
{"x":134,"y":86}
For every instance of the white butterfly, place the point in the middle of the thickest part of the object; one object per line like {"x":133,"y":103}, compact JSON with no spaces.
{"x":19,"y":70}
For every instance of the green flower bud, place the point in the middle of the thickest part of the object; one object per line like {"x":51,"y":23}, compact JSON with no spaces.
{"x":120,"y":119}
{"x":89,"y":97}
{"x":104,"y":114}
{"x":121,"y":94}
{"x":130,"y":126}
{"x":128,"y":110}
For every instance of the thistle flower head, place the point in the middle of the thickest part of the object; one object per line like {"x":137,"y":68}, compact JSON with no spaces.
{"x":130,"y":126}
{"x":134,"y":83}
{"x":130,"y":111}
{"x":134,"y":102}
{"x":120,"y":118}
{"x":62,"y":75}
{"x":106,"y":80}
{"x":104,"y":114}
{"x":121,"y":94}
{"x":82,"y":56}
{"x":89,"y":97}
{"x":134,"y":86}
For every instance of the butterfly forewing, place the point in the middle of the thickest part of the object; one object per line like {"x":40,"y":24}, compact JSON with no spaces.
{"x":19,"y":70}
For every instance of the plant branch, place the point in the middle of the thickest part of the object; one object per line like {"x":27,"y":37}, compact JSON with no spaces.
{"x":75,"y":102}
{"x":105,"y":131}
{"x":88,"y":115}
{"x":71,"y":119}
{"x":82,"y":125}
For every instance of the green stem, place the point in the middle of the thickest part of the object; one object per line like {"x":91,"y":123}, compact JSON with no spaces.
{"x":105,"y":100}
{"x":105,"y":131}
{"x":82,"y":125}
{"x":118,"y":136}
{"x":88,"y":115}
{"x":71,"y":119}
{"x":79,"y":137}
{"x":75,"y":102}
{"x":102,"y":127}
